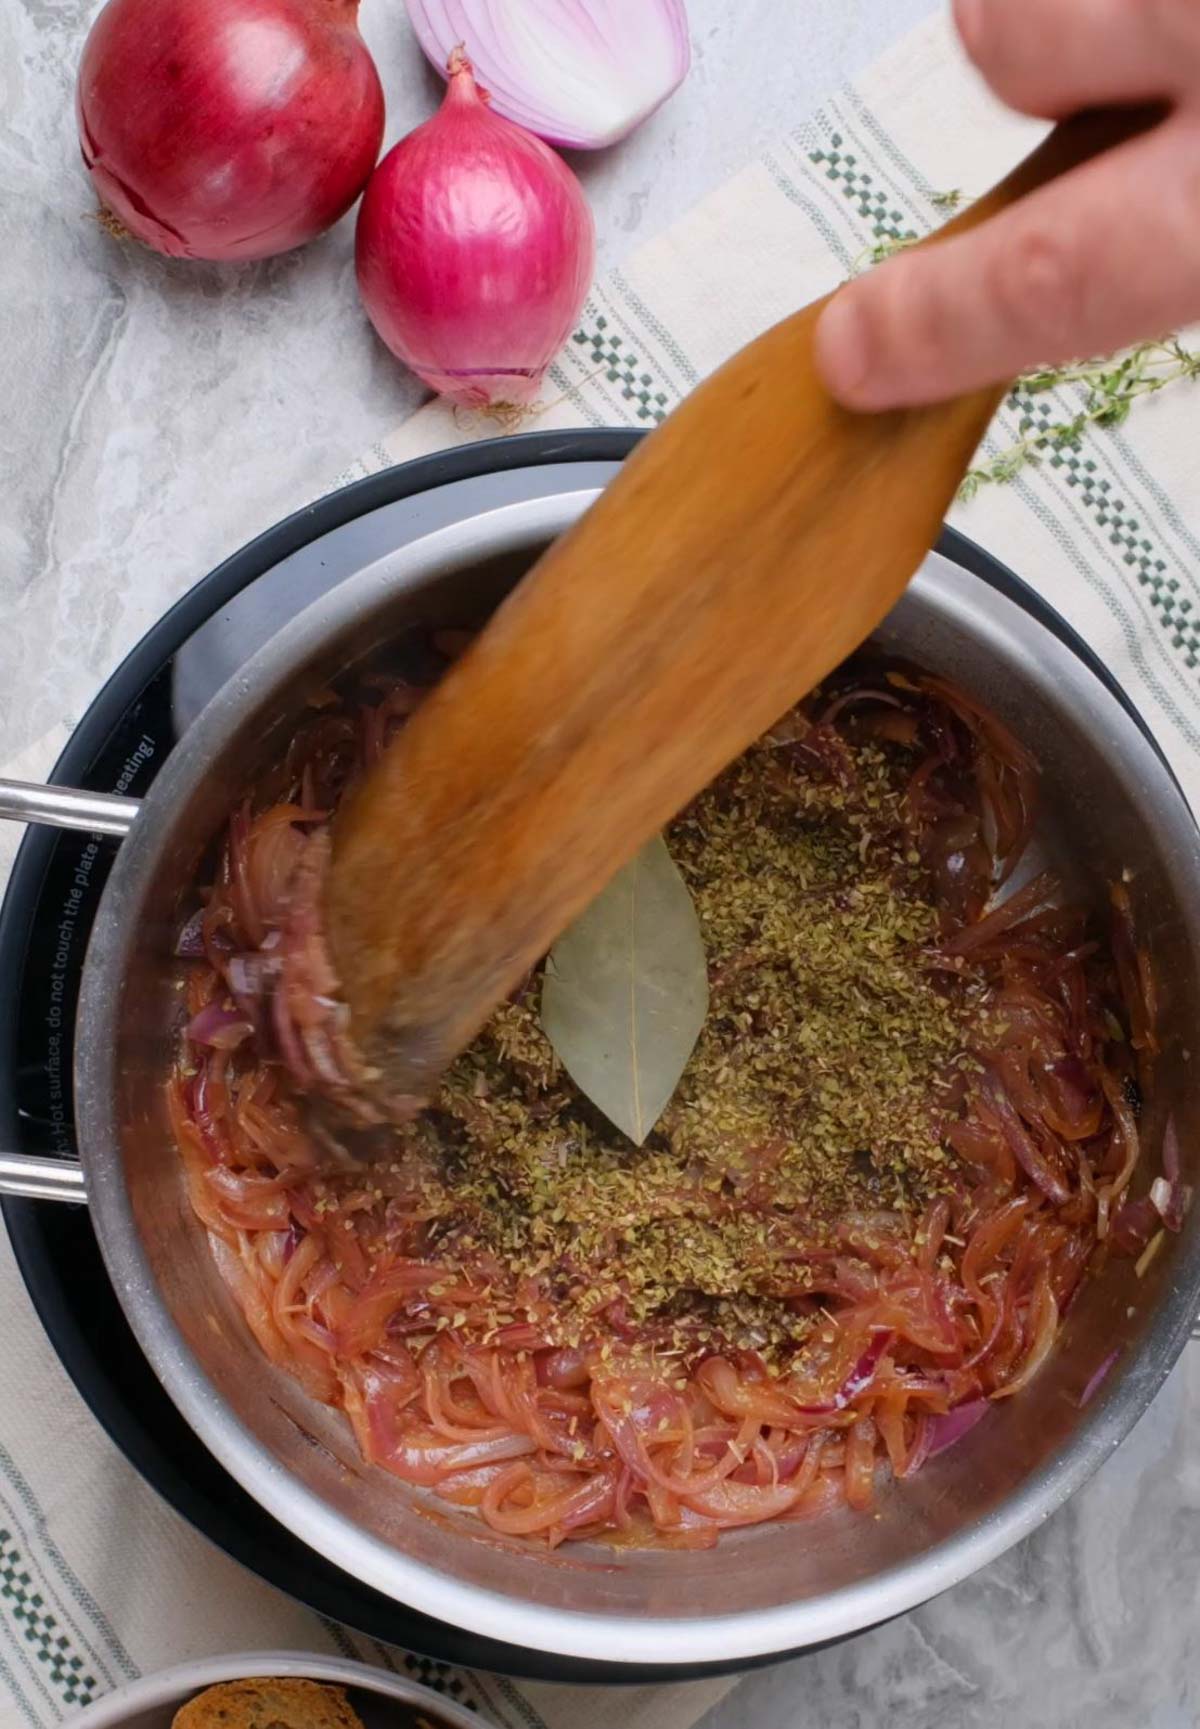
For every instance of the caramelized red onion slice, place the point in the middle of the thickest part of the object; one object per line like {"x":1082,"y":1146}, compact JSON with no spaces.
{"x":429,"y":1463}
{"x":1097,"y":1378}
{"x":851,"y":699}
{"x":249,"y":974}
{"x":1040,"y":895}
{"x":219,"y":1026}
{"x":947,"y":1431}
{"x":1136,"y":975}
{"x":859,"y":1378}
{"x":565,"y":1508}
{"x":1022,"y":1144}
{"x":1044,"y":1325}
{"x":730,"y":1504}
{"x":1169,"y":1193}
{"x":189,"y":944}
{"x":1110,"y":1195}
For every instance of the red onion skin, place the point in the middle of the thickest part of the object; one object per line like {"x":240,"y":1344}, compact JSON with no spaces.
{"x":475,"y":250}
{"x":228,"y":129}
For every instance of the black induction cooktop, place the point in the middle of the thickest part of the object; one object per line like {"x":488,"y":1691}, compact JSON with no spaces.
{"x":120,"y":745}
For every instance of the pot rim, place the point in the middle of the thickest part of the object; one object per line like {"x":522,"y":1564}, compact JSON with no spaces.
{"x":629,"y":1640}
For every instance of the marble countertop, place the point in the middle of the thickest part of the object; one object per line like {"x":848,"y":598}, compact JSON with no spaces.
{"x":154,"y":415}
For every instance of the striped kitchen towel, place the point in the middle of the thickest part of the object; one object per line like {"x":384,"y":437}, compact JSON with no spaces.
{"x":98,"y":1579}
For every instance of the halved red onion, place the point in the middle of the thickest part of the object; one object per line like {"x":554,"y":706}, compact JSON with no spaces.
{"x":582,"y":73}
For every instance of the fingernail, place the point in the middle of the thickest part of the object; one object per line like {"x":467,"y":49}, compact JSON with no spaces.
{"x":968,"y":15}
{"x":842,"y":354}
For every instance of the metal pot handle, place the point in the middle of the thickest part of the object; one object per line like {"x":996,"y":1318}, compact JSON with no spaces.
{"x":67,"y":807}
{"x":29,"y":1175}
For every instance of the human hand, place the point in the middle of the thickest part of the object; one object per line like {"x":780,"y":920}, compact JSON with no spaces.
{"x":1105,"y":256}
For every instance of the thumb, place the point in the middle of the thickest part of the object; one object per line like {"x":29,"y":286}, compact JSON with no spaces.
{"x":1108,"y":255}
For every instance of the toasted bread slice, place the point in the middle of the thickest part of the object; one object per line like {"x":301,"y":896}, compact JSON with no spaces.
{"x":269,"y":1704}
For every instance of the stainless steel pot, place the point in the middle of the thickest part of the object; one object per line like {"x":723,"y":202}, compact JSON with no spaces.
{"x":1109,"y":806}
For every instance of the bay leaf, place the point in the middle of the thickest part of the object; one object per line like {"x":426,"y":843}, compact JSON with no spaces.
{"x":625,"y":992}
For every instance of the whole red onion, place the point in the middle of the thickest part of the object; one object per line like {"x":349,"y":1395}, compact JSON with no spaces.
{"x":475,"y":250}
{"x":228,"y":128}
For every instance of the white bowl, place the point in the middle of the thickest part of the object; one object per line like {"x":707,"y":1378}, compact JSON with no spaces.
{"x":152,"y":1701}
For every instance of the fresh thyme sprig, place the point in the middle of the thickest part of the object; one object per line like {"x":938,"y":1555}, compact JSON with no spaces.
{"x":1111,"y":386}
{"x":885,"y":248}
{"x":954,"y":199}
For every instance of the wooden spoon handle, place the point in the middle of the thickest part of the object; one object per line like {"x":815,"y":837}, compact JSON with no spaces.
{"x":746,"y":547}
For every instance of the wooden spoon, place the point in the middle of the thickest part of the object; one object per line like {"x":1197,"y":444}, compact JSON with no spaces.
{"x":746,"y":548}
